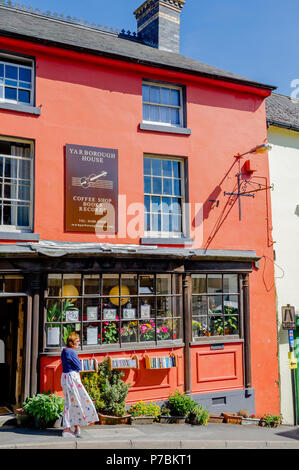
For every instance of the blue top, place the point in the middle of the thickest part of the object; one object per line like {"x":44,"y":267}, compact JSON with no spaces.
{"x":70,"y":360}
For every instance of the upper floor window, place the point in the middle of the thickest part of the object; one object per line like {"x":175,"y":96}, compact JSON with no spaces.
{"x":16,"y":80}
{"x":163,"y":196}
{"x":16,"y":189}
{"x":162,"y":104}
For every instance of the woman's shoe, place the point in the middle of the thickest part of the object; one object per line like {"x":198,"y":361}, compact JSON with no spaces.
{"x":68,"y":435}
{"x":78,"y":433}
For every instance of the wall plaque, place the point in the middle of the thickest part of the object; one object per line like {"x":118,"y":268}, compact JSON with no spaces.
{"x":91,"y":189}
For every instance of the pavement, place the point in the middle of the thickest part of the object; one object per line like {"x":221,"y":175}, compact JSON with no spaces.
{"x":151,"y":436}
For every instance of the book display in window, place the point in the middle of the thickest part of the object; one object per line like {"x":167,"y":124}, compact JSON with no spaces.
{"x":89,"y":365}
{"x":164,"y":362}
{"x":124,"y":363}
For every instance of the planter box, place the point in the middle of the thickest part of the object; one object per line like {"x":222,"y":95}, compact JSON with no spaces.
{"x":177,"y":419}
{"x":254,"y":421}
{"x":232,"y":418}
{"x":165,"y":419}
{"x":107,"y":419}
{"x":216,"y":419}
{"x":142,"y":419}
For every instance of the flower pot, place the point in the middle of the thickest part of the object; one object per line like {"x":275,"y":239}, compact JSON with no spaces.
{"x":23,"y":418}
{"x":142,"y":419}
{"x":165,"y":419}
{"x":42,"y":424}
{"x":216,"y":419}
{"x":107,"y":419}
{"x":178,"y":419}
{"x":232,"y":418}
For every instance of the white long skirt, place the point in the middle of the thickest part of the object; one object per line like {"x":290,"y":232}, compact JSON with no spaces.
{"x":78,"y":406}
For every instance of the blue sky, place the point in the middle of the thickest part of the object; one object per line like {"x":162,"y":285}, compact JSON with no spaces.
{"x":257,"y":39}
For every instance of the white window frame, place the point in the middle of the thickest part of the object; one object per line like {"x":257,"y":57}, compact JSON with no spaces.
{"x":19,"y":228}
{"x":181,"y":107}
{"x":23,"y":62}
{"x":163,"y":234}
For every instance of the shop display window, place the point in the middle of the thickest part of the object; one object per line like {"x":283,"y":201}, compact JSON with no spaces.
{"x":113,"y":309}
{"x":215,"y":305}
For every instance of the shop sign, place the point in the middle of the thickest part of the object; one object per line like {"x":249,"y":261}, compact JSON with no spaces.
{"x":91,"y":189}
{"x":288,"y":317}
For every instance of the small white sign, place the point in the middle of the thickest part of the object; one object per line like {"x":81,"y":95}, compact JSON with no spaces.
{"x":72,"y":315}
{"x":92,"y":313}
{"x":53,"y":336}
{"x":145,"y":311}
{"x":92,"y":335}
{"x":109,"y":314}
{"x":129,"y":313}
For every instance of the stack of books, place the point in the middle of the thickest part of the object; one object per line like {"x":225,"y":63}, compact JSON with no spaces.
{"x":124,"y":363}
{"x":162,"y":362}
{"x":89,"y":365}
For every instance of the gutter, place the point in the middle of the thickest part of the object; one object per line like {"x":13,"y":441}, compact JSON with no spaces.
{"x":283,"y":125}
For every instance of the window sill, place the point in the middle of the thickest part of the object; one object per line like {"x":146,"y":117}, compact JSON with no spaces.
{"x":20,"y":236}
{"x":55,"y":351}
{"x":223,"y":340}
{"x":20,"y":108}
{"x":168,"y":129}
{"x":166,"y":241}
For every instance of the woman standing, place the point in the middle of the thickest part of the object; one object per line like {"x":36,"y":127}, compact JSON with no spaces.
{"x":78,"y":407}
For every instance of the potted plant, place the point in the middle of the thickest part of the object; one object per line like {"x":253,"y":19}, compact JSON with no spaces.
{"x":128,"y":333}
{"x":180,"y":406}
{"x":23,"y":418}
{"x":144,"y":413}
{"x":270,"y":420}
{"x":45,"y":408}
{"x":113,"y":394}
{"x":92,"y":383}
{"x":110,"y":333}
{"x":198,"y":416}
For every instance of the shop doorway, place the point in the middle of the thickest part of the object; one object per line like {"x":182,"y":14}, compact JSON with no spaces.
{"x":12,"y":316}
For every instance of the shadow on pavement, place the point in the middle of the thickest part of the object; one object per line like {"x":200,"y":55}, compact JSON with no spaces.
{"x":53,"y":432}
{"x":294,"y":434}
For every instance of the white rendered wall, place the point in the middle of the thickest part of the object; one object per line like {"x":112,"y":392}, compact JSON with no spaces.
{"x":284,"y":174}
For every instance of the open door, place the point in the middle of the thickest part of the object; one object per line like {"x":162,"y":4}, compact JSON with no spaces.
{"x":11,"y":351}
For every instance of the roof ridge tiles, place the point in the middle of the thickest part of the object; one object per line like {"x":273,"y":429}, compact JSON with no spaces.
{"x":61,"y":18}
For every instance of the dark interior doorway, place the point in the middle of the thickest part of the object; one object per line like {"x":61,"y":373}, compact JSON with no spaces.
{"x":11,"y":350}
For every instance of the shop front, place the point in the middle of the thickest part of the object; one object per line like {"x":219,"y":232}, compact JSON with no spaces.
{"x":169,"y":318}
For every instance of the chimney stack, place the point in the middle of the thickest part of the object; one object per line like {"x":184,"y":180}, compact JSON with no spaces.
{"x":158,"y":22}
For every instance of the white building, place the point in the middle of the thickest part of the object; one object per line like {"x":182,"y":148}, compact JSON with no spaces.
{"x":283,"y":135}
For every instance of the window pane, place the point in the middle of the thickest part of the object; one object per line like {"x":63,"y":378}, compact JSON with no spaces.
{"x":157,"y":185}
{"x":165,"y":95}
{"x":175,"y":98}
{"x":110,"y":332}
{"x":9,"y":215}
{"x":230,"y":283}
{"x":214,"y":283}
{"x":129,"y":284}
{"x":24,"y":74}
{"x":147,"y":166}
{"x":164,"y":307}
{"x":24,"y":192}
{"x":71,"y":285}
{"x":147,"y":330}
{"x":167,"y":186}
{"x":147,"y":185}
{"x":156,"y":167}
{"x":24,"y":96}
{"x":166,"y":205}
{"x":154,"y":113}
{"x":154,"y":94}
{"x":11,"y":167}
{"x":10,"y":191}
{"x":23,"y":216}
{"x":231,"y":304}
{"x":177,"y":332}
{"x":176,"y":223}
{"x":215,"y":304}
{"x":156,"y":223}
{"x":167,"y":223}
{"x":167,"y":168}
{"x":164,"y":329}
{"x":10,"y":93}
{"x":11,"y":71}
{"x":147,"y":222}
{"x":156,"y":204}
{"x":145,"y":93}
{"x":24,"y":169}
{"x":199,"y":327}
{"x":199,"y":305}
{"x":147,"y":203}
{"x":92,"y":284}
{"x":54,"y":284}
{"x":146,"y":284}
{"x":175,"y":116}
{"x":14,"y":283}
{"x":216,"y":326}
{"x":12,"y":83}
{"x":176,"y":169}
{"x":1,"y":91}
{"x":163,"y":283}
{"x":164,"y":114}
{"x":146,"y":114}
{"x":128,"y":331}
{"x":176,"y":206}
{"x":177,"y":187}
{"x":110,"y":281}
{"x":1,"y":70}
{"x":199,"y":283}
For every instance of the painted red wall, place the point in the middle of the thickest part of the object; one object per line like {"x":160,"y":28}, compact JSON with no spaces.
{"x":94,"y":101}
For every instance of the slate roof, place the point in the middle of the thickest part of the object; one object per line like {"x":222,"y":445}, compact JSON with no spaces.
{"x":15,"y":22}
{"x":282,"y":111}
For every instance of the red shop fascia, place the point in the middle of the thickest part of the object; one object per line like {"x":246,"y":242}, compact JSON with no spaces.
{"x":121,"y":219}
